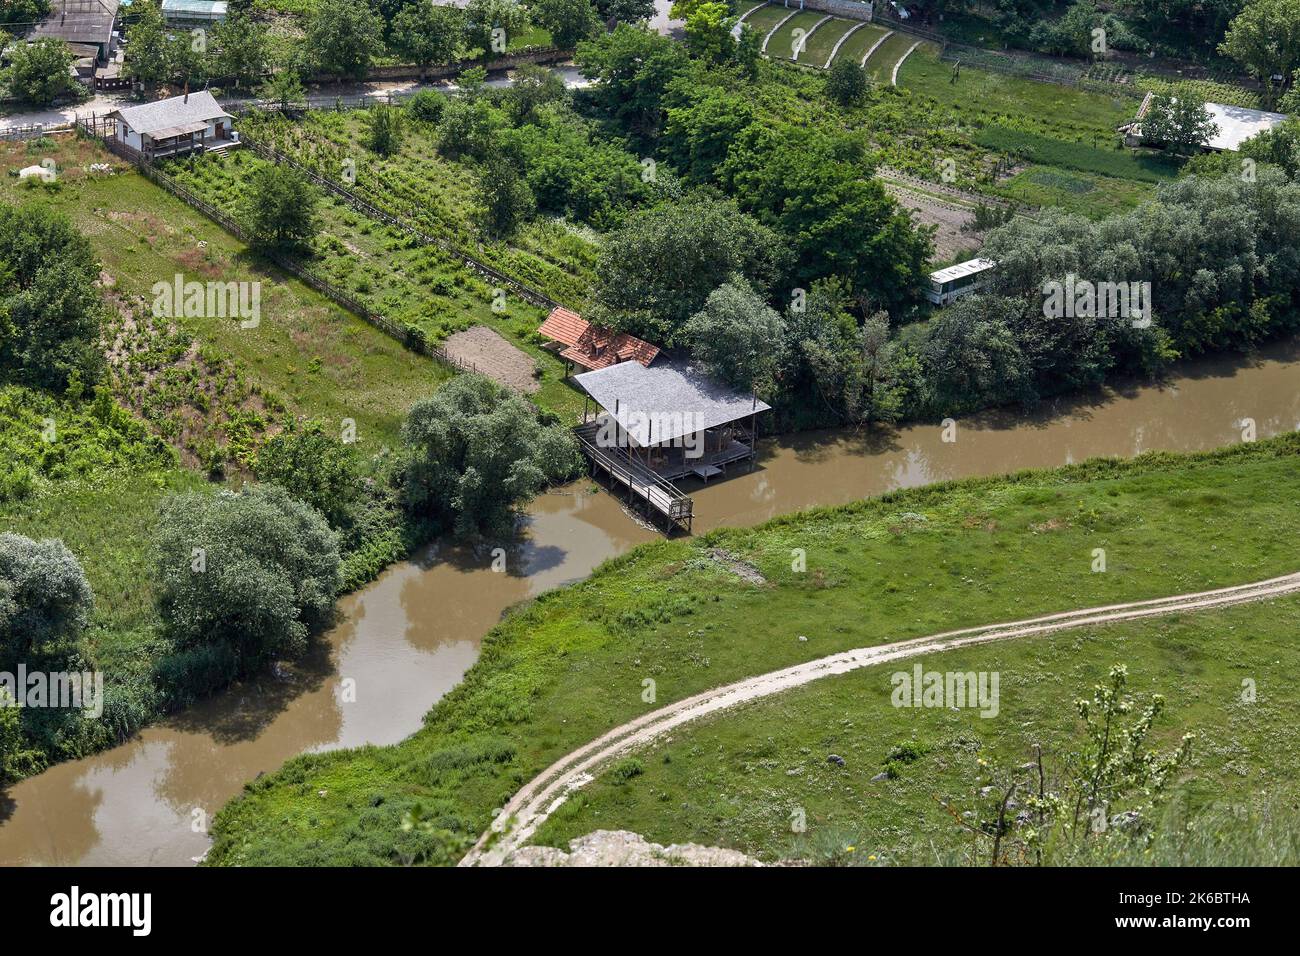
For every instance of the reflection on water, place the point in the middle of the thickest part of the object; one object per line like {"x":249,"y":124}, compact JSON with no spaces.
{"x":408,"y":638}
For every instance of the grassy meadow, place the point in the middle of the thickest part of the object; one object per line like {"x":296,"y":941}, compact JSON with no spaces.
{"x":562,"y":670}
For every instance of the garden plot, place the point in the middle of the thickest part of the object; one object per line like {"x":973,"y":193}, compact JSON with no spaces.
{"x":818,"y":49}
{"x":436,"y":193}
{"x":858,"y":45}
{"x":782,"y":43}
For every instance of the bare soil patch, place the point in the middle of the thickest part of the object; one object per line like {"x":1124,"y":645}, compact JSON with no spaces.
{"x":487,"y":352}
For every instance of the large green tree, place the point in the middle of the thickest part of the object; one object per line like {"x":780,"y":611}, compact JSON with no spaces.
{"x":483,"y":18}
{"x":634,"y":68}
{"x":567,"y":21}
{"x":40,"y":72}
{"x":1265,"y":39}
{"x":426,"y":34}
{"x":250,"y":574}
{"x":45,"y":598}
{"x":50,"y":309}
{"x":1179,"y":120}
{"x":240,"y":50}
{"x":476,"y":451}
{"x":737,"y":337}
{"x":344,"y":37}
{"x":811,"y":188}
{"x":279,"y":208}
{"x":658,"y":269}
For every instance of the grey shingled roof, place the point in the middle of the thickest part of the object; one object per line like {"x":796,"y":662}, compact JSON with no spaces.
{"x":666,"y":401}
{"x":170,"y":113}
{"x":78,"y":21}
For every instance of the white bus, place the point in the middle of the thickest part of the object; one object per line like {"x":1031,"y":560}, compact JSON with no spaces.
{"x":956,"y":281}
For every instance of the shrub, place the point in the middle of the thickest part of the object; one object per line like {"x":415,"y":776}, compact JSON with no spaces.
{"x":253,"y":571}
{"x":45,"y":598}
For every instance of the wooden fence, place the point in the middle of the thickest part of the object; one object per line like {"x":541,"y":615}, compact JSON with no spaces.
{"x":369,"y":209}
{"x":410,"y":336}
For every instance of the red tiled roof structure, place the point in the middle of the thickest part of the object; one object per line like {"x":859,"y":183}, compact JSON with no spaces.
{"x":593,"y":346}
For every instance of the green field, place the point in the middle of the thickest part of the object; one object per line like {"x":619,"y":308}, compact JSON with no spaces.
{"x":322,"y":361}
{"x":735,"y":780}
{"x":982,"y":97}
{"x":764,"y":20}
{"x":558,"y":673}
{"x":881,"y":63}
{"x":437,"y":194}
{"x":819,"y":45}
{"x":856,"y":46}
{"x":782,"y":42}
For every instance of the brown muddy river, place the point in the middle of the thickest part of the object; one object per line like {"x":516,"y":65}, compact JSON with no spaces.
{"x":409,"y":637}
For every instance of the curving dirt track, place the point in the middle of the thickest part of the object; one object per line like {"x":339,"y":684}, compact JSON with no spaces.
{"x":542,"y":795}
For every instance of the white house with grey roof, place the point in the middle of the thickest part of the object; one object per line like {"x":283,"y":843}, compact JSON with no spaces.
{"x":193,"y":122}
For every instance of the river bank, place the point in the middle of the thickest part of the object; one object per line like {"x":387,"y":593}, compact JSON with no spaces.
{"x":409,"y":637}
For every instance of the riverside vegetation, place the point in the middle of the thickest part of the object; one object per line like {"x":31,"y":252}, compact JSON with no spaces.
{"x":570,"y":665}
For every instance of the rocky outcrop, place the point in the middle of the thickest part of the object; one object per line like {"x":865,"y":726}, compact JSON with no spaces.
{"x":622,"y":848}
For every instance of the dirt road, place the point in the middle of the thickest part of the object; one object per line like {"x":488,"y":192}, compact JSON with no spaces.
{"x":541,"y":796}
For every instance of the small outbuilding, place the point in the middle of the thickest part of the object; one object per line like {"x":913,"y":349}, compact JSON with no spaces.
{"x":193,"y":122}
{"x":592,"y":346}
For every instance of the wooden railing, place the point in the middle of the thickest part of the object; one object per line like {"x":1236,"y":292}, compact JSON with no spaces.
{"x":410,"y":336}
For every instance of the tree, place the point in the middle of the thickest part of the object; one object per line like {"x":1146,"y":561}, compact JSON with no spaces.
{"x":45,"y":598}
{"x":1111,"y":785}
{"x":708,"y":32}
{"x":567,"y":21}
{"x":875,"y":393}
{"x":533,"y":87}
{"x":476,"y":450}
{"x":737,"y":337}
{"x":426,"y":34}
{"x":345,"y":36}
{"x":1265,"y":39}
{"x":279,"y":208}
{"x":483,"y":18}
{"x":147,"y":48}
{"x":1179,"y":120}
{"x":972,"y":357}
{"x":384,"y":129}
{"x":427,"y":106}
{"x":40,"y":72}
{"x":749,"y":51}
{"x":315,"y":468}
{"x":657,"y":270}
{"x":467,"y":127}
{"x":809,"y":186}
{"x":702,"y":123}
{"x":625,"y":11}
{"x":23,"y":12}
{"x":50,"y":310}
{"x":847,"y":82}
{"x":284,"y":88}
{"x":504,"y":200}
{"x":241,"y":50}
{"x":634,"y":68}
{"x":249,"y":573}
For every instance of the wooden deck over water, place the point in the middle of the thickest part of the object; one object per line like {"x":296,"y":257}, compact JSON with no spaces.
{"x":641,"y":482}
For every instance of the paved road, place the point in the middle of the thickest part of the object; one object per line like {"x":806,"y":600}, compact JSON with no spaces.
{"x":540,"y":797}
